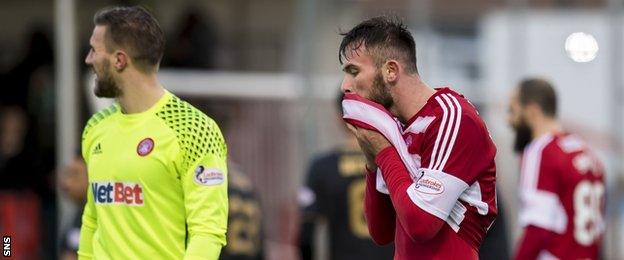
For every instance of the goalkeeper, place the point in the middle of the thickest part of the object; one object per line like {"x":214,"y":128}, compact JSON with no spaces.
{"x":156,"y":165}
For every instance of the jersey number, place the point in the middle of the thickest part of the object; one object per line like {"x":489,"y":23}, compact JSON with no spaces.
{"x":244,"y":228}
{"x":588,"y":221}
{"x":357,"y":221}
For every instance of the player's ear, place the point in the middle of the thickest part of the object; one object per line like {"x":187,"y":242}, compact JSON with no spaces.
{"x":390,"y":71}
{"x":120,"y":60}
{"x":532,"y":110}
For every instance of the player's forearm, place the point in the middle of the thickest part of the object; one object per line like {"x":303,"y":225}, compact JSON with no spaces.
{"x":380,"y":216}
{"x":85,"y":247}
{"x":418,"y":224}
{"x":87,"y":229}
{"x":533,"y":241}
{"x":203,"y":247}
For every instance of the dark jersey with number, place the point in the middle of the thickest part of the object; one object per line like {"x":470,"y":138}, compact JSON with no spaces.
{"x":335,"y":191}
{"x":244,"y":234}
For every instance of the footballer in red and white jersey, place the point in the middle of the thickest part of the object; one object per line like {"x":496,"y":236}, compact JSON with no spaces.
{"x":443,"y":206}
{"x":562,"y":193}
{"x":457,"y":186}
{"x":561,"y":181}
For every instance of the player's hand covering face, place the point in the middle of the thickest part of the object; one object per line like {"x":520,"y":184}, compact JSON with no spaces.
{"x":371,"y":143}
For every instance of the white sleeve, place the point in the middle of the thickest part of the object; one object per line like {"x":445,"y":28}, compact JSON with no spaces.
{"x":436,"y":192}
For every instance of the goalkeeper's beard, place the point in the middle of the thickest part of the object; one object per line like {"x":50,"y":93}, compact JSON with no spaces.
{"x":105,"y":84}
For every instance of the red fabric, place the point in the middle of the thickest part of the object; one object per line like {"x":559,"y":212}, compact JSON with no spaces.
{"x":379,"y":212}
{"x":576,"y":178}
{"x":19,"y":218}
{"x":470,"y":158}
{"x":418,"y":233}
{"x":398,"y":180}
{"x":533,"y":241}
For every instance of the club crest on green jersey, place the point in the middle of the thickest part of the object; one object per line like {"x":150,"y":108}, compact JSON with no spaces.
{"x":208,"y":176}
{"x":145,"y":146}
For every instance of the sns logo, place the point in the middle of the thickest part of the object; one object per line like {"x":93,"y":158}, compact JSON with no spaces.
{"x":124,"y":193}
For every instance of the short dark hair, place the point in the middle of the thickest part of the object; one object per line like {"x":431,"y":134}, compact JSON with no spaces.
{"x":539,"y":92}
{"x":385,"y":38}
{"x":136,"y":30}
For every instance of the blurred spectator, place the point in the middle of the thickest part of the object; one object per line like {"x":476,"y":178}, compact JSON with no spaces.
{"x":18,"y":153}
{"x":194,"y":43}
{"x":334,"y":193}
{"x":20,"y":207}
{"x":38,"y":53}
{"x":74,"y":184}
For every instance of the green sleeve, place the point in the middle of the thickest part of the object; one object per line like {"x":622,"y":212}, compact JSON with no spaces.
{"x":89,"y":225}
{"x":204,"y":183}
{"x":89,"y":217}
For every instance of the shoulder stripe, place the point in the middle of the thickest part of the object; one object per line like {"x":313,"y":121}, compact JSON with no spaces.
{"x":458,"y":117}
{"x":531,"y":161}
{"x":440,"y":130}
{"x":447,"y":132}
{"x":98,"y":118}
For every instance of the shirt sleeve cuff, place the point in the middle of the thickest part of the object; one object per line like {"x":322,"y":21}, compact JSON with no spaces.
{"x":385,"y":154}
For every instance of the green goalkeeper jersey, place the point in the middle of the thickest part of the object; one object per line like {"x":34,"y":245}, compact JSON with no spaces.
{"x":157,"y":184}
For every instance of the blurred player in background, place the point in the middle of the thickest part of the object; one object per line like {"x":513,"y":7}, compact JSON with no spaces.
{"x":74,"y":184}
{"x":561,"y":181}
{"x":334,"y":193}
{"x":445,"y":212}
{"x":157,"y":165}
{"x":245,"y":232}
{"x":244,"y":237}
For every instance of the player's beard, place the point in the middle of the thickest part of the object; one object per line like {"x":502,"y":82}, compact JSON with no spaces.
{"x":105,"y":84}
{"x":380,"y":93}
{"x":523,"y":136}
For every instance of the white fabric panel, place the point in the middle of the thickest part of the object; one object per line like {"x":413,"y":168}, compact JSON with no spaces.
{"x":531,"y":161}
{"x":544,"y":210}
{"x":457,"y":216}
{"x":545,"y":255}
{"x":420,"y":124}
{"x":473,"y":197}
{"x":437,"y":192}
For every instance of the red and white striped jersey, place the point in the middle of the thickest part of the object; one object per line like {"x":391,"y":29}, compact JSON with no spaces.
{"x":456,"y":154}
{"x":562,"y":191}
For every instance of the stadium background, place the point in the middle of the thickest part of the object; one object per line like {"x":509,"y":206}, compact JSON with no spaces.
{"x":269,"y":70}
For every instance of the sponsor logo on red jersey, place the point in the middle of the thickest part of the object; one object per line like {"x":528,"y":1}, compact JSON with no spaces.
{"x":429,"y":185}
